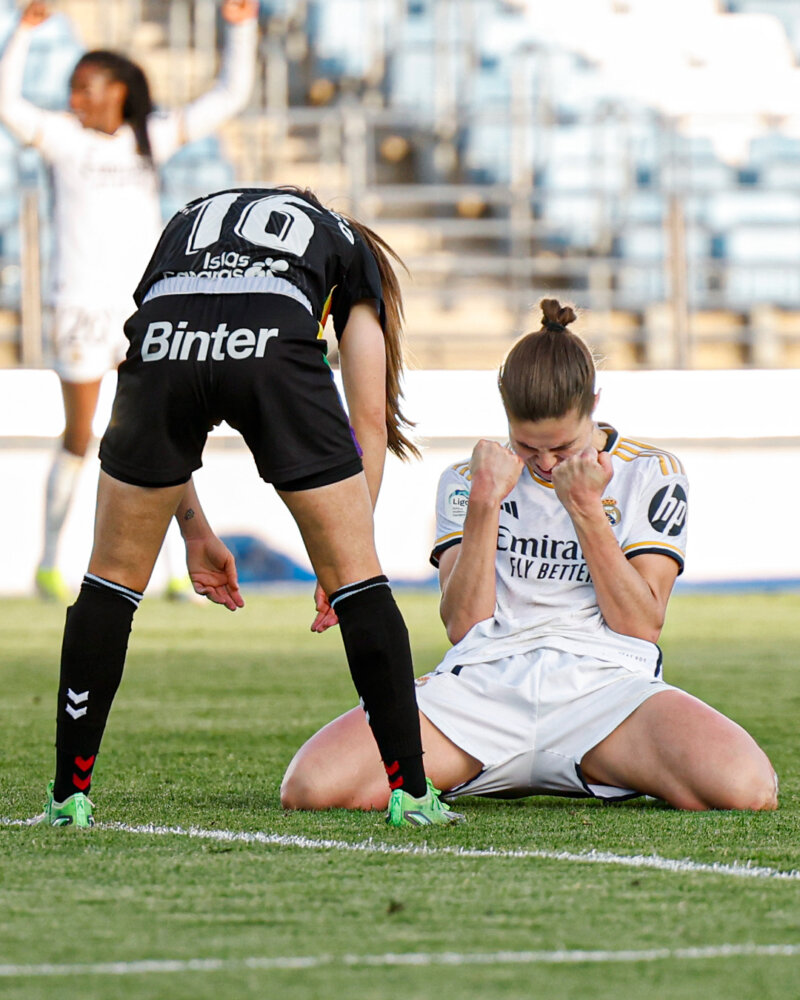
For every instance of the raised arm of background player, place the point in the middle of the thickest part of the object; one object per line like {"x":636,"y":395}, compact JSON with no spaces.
{"x":362,"y":358}
{"x":211,"y":565}
{"x":168,"y":130}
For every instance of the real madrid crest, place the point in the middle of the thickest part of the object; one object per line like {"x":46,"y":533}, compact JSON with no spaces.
{"x":611,"y":511}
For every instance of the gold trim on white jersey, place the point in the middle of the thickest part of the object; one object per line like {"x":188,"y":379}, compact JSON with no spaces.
{"x":627,"y":449}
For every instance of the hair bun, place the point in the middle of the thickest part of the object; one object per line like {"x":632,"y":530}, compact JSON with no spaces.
{"x":553,"y":313}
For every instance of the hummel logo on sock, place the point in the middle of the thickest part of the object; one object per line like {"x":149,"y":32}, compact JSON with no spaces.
{"x":76,"y":699}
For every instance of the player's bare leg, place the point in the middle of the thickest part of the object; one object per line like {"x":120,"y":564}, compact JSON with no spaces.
{"x":130,"y":525}
{"x":679,"y":749}
{"x":340,"y":768}
{"x":80,"y":405}
{"x":336,"y":524}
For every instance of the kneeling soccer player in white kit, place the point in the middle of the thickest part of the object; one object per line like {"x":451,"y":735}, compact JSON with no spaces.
{"x":557,"y":555}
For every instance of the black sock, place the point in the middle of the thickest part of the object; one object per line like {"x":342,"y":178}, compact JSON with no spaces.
{"x":378,"y":653}
{"x":92,"y":659}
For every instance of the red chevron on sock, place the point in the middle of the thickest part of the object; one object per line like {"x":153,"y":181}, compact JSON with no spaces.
{"x":85,"y":764}
{"x":81,"y":783}
{"x":393,"y":772}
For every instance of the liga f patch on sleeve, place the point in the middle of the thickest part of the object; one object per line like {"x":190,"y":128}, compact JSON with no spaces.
{"x":457,"y":501}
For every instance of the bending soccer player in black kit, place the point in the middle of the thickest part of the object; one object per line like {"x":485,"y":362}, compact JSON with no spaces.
{"x":228,"y":327}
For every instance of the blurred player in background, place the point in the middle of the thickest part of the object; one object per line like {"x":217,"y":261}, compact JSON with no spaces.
{"x":104,"y":154}
{"x":229,"y":327}
{"x":557,"y":556}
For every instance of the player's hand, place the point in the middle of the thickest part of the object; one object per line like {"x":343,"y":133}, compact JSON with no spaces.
{"x":212,"y":570}
{"x":494,"y":470}
{"x":580,"y":481}
{"x":238,"y":11}
{"x":35,"y":13}
{"x":326,"y":616}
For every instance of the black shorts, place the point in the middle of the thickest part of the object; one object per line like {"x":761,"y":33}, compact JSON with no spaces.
{"x":254,"y":360}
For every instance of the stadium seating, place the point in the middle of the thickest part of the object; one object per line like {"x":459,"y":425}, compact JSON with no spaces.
{"x":508,"y":150}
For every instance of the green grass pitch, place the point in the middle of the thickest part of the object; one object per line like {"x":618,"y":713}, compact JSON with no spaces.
{"x":211,"y":709}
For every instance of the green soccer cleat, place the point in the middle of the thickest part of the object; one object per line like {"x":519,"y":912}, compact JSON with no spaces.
{"x":74,"y":811}
{"x":51,"y":586}
{"x":429,"y":810}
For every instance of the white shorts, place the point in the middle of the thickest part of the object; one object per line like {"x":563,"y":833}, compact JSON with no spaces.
{"x":531,"y":717}
{"x":87,"y":343}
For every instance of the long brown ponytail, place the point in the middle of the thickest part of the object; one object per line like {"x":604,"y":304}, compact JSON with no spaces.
{"x":398,"y":443}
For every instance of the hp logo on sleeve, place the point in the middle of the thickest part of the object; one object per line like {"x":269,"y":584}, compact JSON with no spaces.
{"x":667,"y":512}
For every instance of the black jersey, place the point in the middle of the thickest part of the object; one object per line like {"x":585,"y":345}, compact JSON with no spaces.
{"x":265,"y":240}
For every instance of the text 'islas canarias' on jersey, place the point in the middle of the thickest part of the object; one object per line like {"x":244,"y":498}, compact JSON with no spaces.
{"x":232,"y":265}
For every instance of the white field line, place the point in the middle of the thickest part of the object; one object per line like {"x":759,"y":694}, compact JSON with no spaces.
{"x":416,"y":958}
{"x":653,"y":861}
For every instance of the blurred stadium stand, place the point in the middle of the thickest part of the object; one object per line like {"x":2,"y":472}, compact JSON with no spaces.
{"x":640,"y":158}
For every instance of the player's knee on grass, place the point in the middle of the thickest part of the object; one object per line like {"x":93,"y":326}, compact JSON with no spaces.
{"x":756,"y":788}
{"x":751,"y":786}
{"x":310,"y":783}
{"x":299,"y":790}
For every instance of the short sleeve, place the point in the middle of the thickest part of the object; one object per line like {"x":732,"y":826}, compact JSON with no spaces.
{"x":360,"y":281}
{"x":452,"y":497}
{"x":660,"y":521}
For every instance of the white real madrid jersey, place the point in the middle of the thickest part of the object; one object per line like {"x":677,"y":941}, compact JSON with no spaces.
{"x":106,"y":212}
{"x":541,"y":574}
